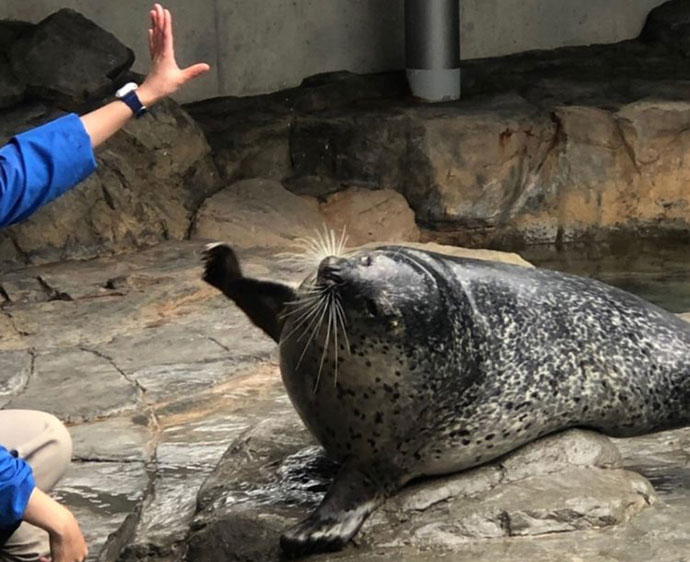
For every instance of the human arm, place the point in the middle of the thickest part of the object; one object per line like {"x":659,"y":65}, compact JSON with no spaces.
{"x":66,"y":540}
{"x":41,"y":164}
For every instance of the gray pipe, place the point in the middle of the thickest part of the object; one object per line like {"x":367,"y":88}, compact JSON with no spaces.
{"x":432,"y":39}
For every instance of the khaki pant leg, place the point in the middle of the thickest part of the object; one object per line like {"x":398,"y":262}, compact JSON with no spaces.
{"x":41,"y":440}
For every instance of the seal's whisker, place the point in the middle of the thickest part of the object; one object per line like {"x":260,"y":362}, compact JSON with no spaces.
{"x":343,"y":241}
{"x":341,"y":317}
{"x":303,"y":301}
{"x":306,"y":313}
{"x":301,"y":305}
{"x":312,"y":314}
{"x":335,"y":337}
{"x":316,"y":321}
{"x":325,"y":344}
{"x":323,"y":245}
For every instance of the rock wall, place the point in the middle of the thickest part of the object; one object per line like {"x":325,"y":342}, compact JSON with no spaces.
{"x":586,"y":143}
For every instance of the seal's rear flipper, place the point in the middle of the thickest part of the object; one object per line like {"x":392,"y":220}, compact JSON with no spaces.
{"x":350,"y":500}
{"x":262,"y":301}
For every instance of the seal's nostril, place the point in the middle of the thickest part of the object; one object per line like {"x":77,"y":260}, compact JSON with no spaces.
{"x":330,"y":269}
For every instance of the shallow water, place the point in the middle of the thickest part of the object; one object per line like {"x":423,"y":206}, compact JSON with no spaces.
{"x":656,"y":270}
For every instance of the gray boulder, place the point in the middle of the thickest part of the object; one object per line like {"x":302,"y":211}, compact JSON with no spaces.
{"x":274,"y":475}
{"x":68,"y":59}
{"x":669,"y":24}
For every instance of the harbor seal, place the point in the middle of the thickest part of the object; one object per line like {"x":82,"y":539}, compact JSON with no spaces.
{"x":405,"y":363}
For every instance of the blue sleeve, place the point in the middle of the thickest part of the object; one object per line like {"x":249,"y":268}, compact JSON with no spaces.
{"x":16,"y":485}
{"x":41,"y":164}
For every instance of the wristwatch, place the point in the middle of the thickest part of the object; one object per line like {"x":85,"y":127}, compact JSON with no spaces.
{"x":128,"y":95}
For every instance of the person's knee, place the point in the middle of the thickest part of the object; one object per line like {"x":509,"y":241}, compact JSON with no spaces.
{"x":52,"y":455}
{"x":60,"y":441}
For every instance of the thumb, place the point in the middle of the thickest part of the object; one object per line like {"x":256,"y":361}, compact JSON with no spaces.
{"x":195,"y":70}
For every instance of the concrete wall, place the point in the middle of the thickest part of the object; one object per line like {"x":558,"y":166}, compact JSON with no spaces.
{"x":258,"y":46}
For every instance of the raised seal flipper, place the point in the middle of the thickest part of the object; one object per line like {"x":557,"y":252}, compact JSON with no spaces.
{"x":262,"y":301}
{"x":350,"y":500}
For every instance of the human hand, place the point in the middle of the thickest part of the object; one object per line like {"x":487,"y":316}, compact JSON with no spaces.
{"x":165,"y":76}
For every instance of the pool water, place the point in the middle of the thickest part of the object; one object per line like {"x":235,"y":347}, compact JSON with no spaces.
{"x":656,"y":270}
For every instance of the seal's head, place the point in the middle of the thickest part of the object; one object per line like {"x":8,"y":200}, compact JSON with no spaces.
{"x":388,"y":291}
{"x":367,"y":316}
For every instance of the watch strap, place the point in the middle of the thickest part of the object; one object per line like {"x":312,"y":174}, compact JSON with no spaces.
{"x":134,"y":103}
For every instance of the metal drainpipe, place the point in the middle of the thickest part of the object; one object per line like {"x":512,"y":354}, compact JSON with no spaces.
{"x":432,"y":38}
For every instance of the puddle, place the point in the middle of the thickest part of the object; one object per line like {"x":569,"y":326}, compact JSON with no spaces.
{"x":656,"y":270}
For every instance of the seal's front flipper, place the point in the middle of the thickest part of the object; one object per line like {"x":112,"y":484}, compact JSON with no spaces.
{"x":262,"y":301}
{"x":350,"y":500}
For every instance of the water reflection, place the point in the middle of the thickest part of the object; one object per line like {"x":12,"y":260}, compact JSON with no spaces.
{"x":656,"y":270}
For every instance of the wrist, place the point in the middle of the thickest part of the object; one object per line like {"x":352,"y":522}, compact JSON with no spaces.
{"x":147,"y":95}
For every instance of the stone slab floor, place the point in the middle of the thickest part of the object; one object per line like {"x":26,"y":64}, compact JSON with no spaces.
{"x":156,"y":375}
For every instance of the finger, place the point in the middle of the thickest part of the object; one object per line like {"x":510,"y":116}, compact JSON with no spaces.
{"x":195,"y":70}
{"x":160,"y":25}
{"x":167,"y":33}
{"x":151,"y":42}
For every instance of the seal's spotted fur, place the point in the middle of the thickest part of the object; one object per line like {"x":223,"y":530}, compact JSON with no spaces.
{"x":451,"y":362}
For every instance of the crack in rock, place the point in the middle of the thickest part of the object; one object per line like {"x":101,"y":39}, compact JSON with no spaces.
{"x":53,"y":293}
{"x":10,"y":319}
{"x":110,"y":360}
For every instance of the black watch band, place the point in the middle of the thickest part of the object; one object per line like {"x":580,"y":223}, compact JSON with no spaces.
{"x":128,"y":95}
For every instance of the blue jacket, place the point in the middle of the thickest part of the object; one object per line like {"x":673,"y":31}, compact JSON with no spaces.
{"x":16,"y":485}
{"x":35,"y":168}
{"x":41,"y":164}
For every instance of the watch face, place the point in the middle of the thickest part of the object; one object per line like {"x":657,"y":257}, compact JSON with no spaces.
{"x":126,"y":89}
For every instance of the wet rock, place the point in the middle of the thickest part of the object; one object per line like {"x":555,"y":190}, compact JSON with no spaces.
{"x":256,"y":213}
{"x":117,"y":439}
{"x":88,"y":386}
{"x":271,"y":477}
{"x":370,"y":216}
{"x":101,"y":495}
{"x":195,"y":434}
{"x":669,"y":24}
{"x":91,"y":59}
{"x":15,"y":370}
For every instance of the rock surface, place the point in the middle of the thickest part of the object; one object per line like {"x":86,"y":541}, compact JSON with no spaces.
{"x":187,"y":376}
{"x":155,"y":372}
{"x":69,"y":59}
{"x":273,"y":476}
